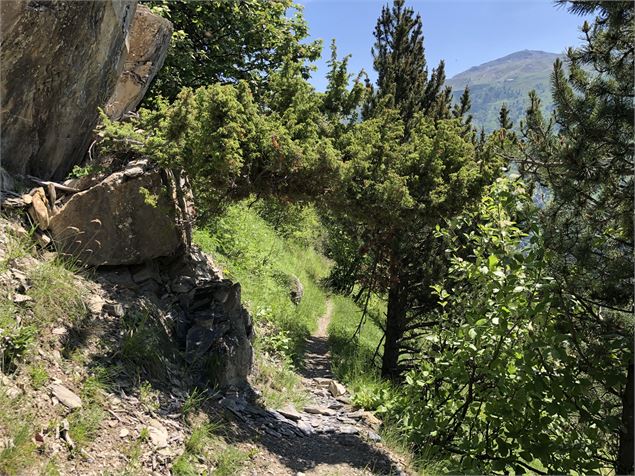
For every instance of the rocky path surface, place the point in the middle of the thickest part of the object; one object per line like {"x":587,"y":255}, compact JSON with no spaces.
{"x":327,"y":437}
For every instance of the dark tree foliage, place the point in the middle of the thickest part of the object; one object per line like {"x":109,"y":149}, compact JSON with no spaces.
{"x":230,"y":40}
{"x":504,"y":120}
{"x":587,"y":167}
{"x":404,"y":85}
{"x":402,"y":73}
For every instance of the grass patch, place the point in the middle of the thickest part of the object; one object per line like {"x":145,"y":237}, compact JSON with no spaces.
{"x":51,"y":468}
{"x":20,"y":453}
{"x":149,"y":397}
{"x":15,"y":246}
{"x":15,"y":337}
{"x":194,"y":400}
{"x":55,"y":292}
{"x":251,"y":252}
{"x":143,"y":344}
{"x":230,"y":460}
{"x":278,"y":383}
{"x":84,"y":424}
{"x":205,"y":446}
{"x":97,"y":384}
{"x":353,"y":358}
{"x":133,"y":454}
{"x":39,"y":376}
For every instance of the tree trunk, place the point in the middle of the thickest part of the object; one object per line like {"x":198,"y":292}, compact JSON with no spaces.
{"x":627,"y":443}
{"x":395,"y":325}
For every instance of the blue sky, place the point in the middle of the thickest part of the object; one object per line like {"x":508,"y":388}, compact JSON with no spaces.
{"x":465,"y":33}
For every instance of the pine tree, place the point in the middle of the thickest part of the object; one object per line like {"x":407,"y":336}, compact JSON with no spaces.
{"x":585,"y":159}
{"x":402,"y":73}
{"x":404,"y":85}
{"x":503,"y":118}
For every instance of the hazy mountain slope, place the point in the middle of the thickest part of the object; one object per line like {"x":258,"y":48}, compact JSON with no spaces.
{"x":508,"y":79}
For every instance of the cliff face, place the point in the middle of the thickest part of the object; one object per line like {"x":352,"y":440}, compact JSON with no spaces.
{"x":60,"y":62}
{"x":147,"y":48}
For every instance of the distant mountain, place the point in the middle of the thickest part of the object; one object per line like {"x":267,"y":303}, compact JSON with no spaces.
{"x":506,"y":80}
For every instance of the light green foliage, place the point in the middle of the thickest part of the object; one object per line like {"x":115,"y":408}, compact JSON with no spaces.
{"x":83,"y":171}
{"x":39,"y":375}
{"x":84,"y":423}
{"x":231,"y":40}
{"x":254,"y":255}
{"x":499,"y":382}
{"x":149,"y":198}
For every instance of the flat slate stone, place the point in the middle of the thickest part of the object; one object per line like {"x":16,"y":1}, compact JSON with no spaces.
{"x":66,"y":397}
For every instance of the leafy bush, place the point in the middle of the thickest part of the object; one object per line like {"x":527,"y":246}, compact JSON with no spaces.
{"x":499,"y":382}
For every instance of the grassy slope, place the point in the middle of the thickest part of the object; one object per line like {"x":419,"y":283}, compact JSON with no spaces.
{"x":253,"y":254}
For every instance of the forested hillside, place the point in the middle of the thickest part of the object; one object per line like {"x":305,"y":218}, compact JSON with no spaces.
{"x":507,"y":80}
{"x":412,"y":309}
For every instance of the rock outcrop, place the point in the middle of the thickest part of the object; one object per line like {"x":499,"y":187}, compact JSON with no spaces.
{"x":201,"y":311}
{"x":63,"y":60}
{"x":131,"y":216}
{"x":148,"y":46}
{"x":60,"y":63}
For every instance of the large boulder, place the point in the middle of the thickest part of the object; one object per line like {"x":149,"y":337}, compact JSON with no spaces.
{"x":148,"y":46}
{"x":60,"y":62}
{"x":129,"y":217}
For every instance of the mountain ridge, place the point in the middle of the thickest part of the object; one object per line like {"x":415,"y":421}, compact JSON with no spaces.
{"x":508,"y":80}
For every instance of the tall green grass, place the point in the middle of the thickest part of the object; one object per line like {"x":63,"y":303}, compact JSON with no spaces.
{"x":253,"y":254}
{"x":353,"y":355}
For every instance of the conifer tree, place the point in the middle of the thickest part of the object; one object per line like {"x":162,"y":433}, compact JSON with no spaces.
{"x":503,"y":118}
{"x":402,"y":73}
{"x":587,"y":166}
{"x":403,"y":247}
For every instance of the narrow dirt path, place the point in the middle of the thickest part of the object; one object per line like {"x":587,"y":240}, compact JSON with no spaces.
{"x":328,"y":436}
{"x":317,"y":358}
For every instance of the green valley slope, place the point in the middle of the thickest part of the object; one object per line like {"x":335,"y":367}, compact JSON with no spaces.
{"x":506,"y":80}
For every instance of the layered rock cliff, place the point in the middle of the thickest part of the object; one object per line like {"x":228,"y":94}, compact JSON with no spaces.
{"x":60,"y":62}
